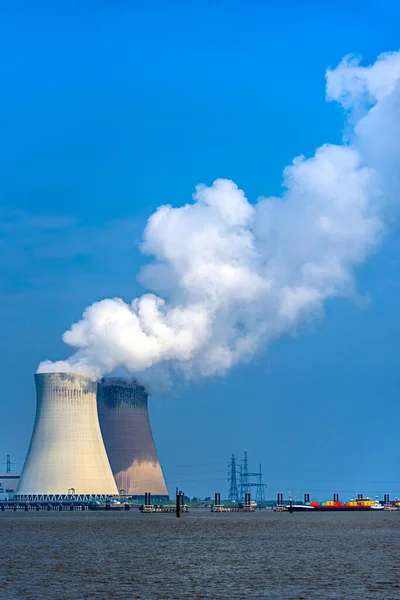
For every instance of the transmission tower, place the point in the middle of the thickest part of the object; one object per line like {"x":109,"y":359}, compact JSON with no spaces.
{"x":246,"y":484}
{"x":233,"y":486}
{"x":260,"y":490}
{"x":8,"y":464}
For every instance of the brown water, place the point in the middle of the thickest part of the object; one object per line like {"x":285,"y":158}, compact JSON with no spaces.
{"x":266,"y":555}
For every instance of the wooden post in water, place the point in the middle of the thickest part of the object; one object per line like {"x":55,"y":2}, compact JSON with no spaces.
{"x":178,"y":503}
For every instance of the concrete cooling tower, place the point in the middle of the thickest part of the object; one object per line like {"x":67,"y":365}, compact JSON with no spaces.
{"x":125,"y":425}
{"x":66,"y":455}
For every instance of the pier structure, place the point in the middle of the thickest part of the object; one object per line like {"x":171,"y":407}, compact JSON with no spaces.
{"x":180,"y":506}
{"x":61,"y":505}
{"x":247,"y":506}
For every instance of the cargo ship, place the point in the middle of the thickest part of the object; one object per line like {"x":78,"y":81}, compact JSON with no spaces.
{"x":357,"y":504}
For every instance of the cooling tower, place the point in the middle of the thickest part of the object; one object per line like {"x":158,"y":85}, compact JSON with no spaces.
{"x":125,"y":425}
{"x":66,"y":454}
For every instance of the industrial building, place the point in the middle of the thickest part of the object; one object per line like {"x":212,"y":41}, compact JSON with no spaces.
{"x":66,"y":455}
{"x":125,"y":425}
{"x":8,"y":484}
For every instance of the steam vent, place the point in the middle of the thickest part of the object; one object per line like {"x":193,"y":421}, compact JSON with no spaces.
{"x":66,"y":455}
{"x":125,"y":425}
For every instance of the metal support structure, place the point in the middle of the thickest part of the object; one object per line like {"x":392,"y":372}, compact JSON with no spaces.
{"x":233,"y":494}
{"x":180,"y":503}
{"x":60,"y":497}
{"x":246,"y":484}
{"x":260,"y":491}
{"x":8,"y":467}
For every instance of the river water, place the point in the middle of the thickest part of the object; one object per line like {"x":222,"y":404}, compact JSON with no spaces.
{"x":264,"y":555}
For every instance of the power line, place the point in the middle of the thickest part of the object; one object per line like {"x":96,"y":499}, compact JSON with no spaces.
{"x":190,"y":466}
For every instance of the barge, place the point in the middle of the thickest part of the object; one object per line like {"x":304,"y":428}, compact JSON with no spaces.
{"x":357,"y":504}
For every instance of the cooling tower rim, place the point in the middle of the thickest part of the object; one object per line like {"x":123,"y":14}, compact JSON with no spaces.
{"x":120,"y":382}
{"x":65,"y":376}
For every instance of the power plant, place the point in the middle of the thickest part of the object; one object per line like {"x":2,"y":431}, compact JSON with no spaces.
{"x":90,"y":440}
{"x":66,"y":455}
{"x":124,"y":421}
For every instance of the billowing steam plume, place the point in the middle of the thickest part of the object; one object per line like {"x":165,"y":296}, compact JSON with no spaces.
{"x":230,"y":276}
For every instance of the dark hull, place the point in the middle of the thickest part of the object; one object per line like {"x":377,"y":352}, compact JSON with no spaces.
{"x":329,"y":509}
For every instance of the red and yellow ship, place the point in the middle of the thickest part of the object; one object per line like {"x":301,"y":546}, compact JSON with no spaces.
{"x":358,"y":504}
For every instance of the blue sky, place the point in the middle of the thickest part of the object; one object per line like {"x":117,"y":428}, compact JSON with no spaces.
{"x":109,"y":109}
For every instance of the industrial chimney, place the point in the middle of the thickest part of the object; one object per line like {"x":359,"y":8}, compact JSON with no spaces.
{"x":66,"y":455}
{"x":125,"y":425}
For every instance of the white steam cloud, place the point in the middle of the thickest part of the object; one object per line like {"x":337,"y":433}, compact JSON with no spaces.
{"x":229,"y":276}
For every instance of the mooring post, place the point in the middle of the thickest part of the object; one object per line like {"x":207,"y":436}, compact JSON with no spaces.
{"x":178,"y":503}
